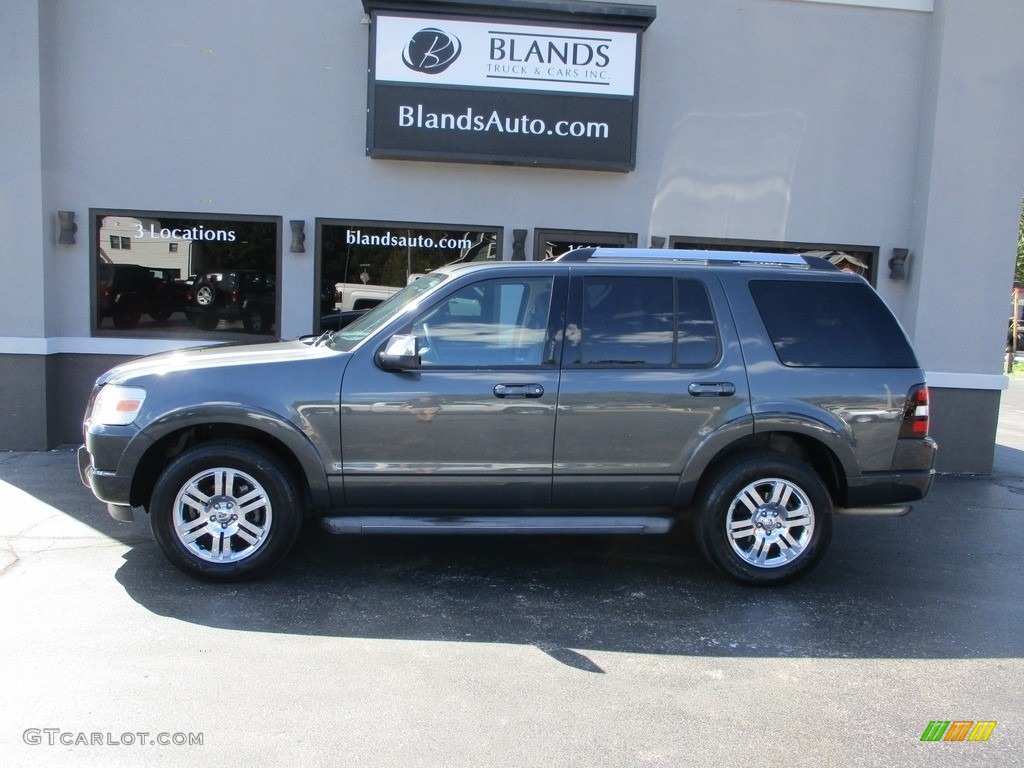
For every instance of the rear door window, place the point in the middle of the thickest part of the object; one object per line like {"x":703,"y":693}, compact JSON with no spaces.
{"x":627,"y":321}
{"x":817,"y":324}
{"x":642,"y":321}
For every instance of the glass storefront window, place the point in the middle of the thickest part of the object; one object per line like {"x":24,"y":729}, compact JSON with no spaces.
{"x":184,"y":275}
{"x":549,"y":243}
{"x":859,"y":259}
{"x":362,"y":263}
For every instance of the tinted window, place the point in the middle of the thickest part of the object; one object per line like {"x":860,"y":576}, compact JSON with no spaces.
{"x":626,"y":321}
{"x":830,"y":325}
{"x":697,"y":344}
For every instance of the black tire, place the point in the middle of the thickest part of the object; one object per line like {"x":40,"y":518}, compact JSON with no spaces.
{"x":256,"y":321}
{"x":225,"y":511}
{"x":126,"y":313}
{"x":763,"y":519}
{"x":160,"y":315}
{"x":206,"y":321}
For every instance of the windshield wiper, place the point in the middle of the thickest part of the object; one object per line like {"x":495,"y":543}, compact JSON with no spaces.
{"x":323,"y":338}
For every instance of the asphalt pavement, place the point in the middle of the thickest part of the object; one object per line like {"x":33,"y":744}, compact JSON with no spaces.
{"x":476,"y":651}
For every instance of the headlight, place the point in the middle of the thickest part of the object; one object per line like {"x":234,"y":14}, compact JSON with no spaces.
{"x":116,"y":405}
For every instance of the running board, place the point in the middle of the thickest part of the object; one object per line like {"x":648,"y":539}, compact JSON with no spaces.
{"x":499,"y":525}
{"x":894,"y":511}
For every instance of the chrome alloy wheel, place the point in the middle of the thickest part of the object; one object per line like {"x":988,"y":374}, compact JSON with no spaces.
{"x":222,"y":515}
{"x":204,"y":296}
{"x":770,"y":523}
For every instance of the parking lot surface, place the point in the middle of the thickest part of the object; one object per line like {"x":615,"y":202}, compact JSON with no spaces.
{"x":477,"y":651}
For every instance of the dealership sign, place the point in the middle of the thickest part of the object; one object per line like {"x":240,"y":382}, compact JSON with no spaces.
{"x":498,"y":91}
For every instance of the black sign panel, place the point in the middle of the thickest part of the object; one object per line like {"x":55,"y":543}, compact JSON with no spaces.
{"x":500,"y":91}
{"x":507,"y":126}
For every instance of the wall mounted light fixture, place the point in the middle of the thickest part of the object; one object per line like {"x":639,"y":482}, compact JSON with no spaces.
{"x":68,"y":228}
{"x":898,"y":264}
{"x":518,"y":245}
{"x":298,"y":236}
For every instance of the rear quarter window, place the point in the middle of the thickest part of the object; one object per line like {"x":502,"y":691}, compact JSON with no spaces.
{"x":818,"y":324}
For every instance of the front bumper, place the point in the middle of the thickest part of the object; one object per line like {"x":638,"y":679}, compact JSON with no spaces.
{"x":108,"y":487}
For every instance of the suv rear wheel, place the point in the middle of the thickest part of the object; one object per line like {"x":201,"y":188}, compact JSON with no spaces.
{"x":225,"y":511}
{"x":764,"y":518}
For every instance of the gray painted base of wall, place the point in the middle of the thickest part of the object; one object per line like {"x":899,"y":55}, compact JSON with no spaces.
{"x":46,"y":397}
{"x":23,"y":422}
{"x":963,"y":422}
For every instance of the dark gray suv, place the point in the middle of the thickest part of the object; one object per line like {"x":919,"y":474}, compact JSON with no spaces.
{"x":609,"y":392}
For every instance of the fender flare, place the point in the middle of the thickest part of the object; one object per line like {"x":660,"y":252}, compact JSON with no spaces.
{"x":297,"y":443}
{"x":721,"y":440}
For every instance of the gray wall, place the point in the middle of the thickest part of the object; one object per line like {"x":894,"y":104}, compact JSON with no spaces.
{"x":783,"y":120}
{"x":763,"y":119}
{"x":23,"y":224}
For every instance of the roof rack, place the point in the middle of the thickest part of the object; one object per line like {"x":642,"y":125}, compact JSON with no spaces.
{"x":678,"y":256}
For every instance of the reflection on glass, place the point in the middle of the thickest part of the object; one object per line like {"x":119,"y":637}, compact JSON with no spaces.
{"x":362,"y":264}
{"x":172,"y":276}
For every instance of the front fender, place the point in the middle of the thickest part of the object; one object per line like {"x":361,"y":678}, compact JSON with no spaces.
{"x":278,"y":429}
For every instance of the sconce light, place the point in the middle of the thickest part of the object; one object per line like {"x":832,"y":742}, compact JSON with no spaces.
{"x":898,"y":264}
{"x":518,"y":245}
{"x":67,"y":227}
{"x":298,"y":236}
{"x":657,"y":242}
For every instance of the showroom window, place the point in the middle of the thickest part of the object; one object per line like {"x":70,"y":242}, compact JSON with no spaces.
{"x":177,"y":275}
{"x":361,"y":263}
{"x":859,"y":259}
{"x":549,"y":243}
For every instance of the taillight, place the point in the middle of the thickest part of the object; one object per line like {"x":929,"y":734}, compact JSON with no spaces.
{"x":915,"y":413}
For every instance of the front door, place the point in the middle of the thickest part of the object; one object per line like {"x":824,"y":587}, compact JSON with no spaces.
{"x":473,"y":427}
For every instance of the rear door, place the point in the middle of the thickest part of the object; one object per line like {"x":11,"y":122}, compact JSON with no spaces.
{"x":473,"y":427}
{"x":651,"y":368}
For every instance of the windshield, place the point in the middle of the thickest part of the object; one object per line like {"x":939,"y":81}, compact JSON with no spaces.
{"x":347,"y":338}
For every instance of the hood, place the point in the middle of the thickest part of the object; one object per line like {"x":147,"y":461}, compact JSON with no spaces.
{"x":204,"y":358}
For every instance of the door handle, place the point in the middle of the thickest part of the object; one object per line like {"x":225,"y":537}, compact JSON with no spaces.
{"x":712,"y":389}
{"x":518,"y":390}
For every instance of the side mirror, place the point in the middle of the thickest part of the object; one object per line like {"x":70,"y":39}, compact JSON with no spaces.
{"x":400,"y":353}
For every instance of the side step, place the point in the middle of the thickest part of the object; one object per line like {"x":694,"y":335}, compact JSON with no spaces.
{"x":497,"y":525}
{"x":898,"y":510}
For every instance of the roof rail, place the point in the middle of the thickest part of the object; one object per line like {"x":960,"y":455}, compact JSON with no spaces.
{"x":679,"y":256}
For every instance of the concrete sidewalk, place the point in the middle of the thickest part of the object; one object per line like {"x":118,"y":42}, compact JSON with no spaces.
{"x":1009,"y":457}
{"x":1011,"y":414}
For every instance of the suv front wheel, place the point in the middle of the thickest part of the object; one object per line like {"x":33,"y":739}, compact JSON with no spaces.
{"x":764,"y":518}
{"x":225,"y":511}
